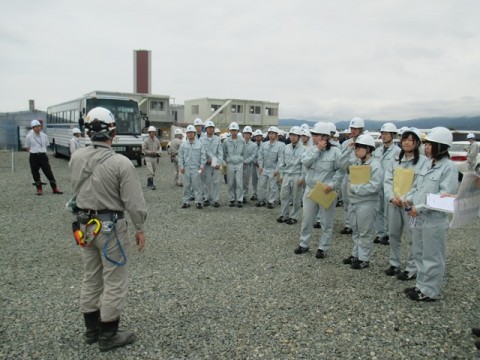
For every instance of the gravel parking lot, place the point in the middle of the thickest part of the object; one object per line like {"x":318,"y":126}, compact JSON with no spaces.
{"x":220,"y":284}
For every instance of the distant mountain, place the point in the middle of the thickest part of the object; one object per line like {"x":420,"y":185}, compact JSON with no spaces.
{"x":453,"y":123}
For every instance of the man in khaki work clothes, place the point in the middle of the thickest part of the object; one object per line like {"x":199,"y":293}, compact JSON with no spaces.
{"x":151,"y":148}
{"x":106,"y":185}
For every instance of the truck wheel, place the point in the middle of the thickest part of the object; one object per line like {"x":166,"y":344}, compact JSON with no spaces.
{"x":139,"y":162}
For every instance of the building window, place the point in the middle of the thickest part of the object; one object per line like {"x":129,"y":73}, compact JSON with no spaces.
{"x":237,"y":109}
{"x":271,"y":111}
{"x":195,"y":109}
{"x":156,"y":105}
{"x":214,"y":107}
{"x":254,"y":109}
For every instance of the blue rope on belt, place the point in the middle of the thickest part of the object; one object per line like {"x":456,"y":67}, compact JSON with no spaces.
{"x":124,"y":256}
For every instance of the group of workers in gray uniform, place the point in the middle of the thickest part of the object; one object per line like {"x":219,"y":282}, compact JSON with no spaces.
{"x":375,"y":210}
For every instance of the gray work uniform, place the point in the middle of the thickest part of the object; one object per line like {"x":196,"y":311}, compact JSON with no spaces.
{"x":386,"y":156}
{"x":430,"y":230}
{"x":348,"y":158}
{"x":233,"y":154}
{"x":291,"y":173}
{"x":362,"y":208}
{"x":472,"y":153}
{"x":398,"y":219}
{"x":322,"y":166}
{"x":113,"y":186}
{"x":152,"y":150}
{"x":74,"y":144}
{"x":174,"y":148}
{"x":192,"y":158}
{"x":249,"y":168}
{"x":211,"y":176}
{"x":269,"y":159}
{"x":256,"y":170}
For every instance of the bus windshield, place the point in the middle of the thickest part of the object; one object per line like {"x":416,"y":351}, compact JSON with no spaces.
{"x":126,"y":113}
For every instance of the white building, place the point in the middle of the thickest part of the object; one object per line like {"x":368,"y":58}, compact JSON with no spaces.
{"x":257,"y":114}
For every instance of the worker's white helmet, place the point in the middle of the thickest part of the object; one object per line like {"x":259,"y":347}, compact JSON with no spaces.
{"x":440,"y":135}
{"x":332,"y":126}
{"x":197,"y":121}
{"x":35,"y":123}
{"x":365,"y":139}
{"x":321,"y":129}
{"x":305,"y":126}
{"x":100,"y":122}
{"x":258,"y":132}
{"x":357,"y":123}
{"x":76,"y":131}
{"x":296,"y":130}
{"x":389,"y":127}
{"x":414,"y":131}
{"x":191,"y":128}
{"x":234,"y":126}
{"x":209,"y":123}
{"x":247,"y":129}
{"x":216,"y":131}
{"x":178,"y":132}
{"x":152,"y":128}
{"x":306,"y":132}
{"x":470,"y":136}
{"x":273,"y":129}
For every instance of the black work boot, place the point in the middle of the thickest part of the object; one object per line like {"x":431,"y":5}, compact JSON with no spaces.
{"x":149,"y":182}
{"x":110,"y":337}
{"x":92,"y":324}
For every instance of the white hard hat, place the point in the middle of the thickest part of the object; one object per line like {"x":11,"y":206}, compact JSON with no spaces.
{"x":389,"y":127}
{"x":321,"y":129}
{"x":318,"y":123}
{"x":191,"y":128}
{"x":197,"y":121}
{"x":332,"y":126}
{"x":76,"y":131}
{"x":440,"y":135}
{"x":306,"y":132}
{"x":247,"y":129}
{"x":365,"y":139}
{"x":35,"y":123}
{"x":415,"y":131}
{"x":178,"y":132}
{"x":305,"y":126}
{"x":151,"y":128}
{"x":234,"y":126}
{"x":470,"y":136}
{"x":209,"y":123}
{"x":216,"y":131}
{"x":357,"y":122}
{"x":223,"y":136}
{"x":100,"y":121}
{"x":273,"y":129}
{"x":258,"y":132}
{"x":402,"y":129}
{"x":296,"y":130}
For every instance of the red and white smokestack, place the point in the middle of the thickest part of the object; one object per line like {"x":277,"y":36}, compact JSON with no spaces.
{"x":142,"y":71}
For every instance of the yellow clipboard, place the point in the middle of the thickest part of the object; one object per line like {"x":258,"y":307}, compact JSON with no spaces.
{"x":318,"y":195}
{"x":402,"y":181}
{"x":360,"y":174}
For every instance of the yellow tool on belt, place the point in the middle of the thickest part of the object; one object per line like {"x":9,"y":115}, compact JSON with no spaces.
{"x":85,"y":239}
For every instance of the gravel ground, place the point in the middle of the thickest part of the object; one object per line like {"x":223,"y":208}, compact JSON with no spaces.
{"x":220,"y":284}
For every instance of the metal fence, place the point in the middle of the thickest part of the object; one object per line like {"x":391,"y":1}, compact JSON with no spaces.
{"x":7,"y":160}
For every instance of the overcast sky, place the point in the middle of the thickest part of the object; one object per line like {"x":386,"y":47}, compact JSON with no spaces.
{"x":320,"y":59}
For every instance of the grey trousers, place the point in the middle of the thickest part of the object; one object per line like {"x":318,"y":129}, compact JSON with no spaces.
{"x":105,"y":285}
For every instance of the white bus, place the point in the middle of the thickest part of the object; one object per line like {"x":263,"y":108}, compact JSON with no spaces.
{"x":62,"y":118}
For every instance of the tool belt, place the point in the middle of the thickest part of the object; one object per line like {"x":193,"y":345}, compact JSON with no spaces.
{"x":104,"y":215}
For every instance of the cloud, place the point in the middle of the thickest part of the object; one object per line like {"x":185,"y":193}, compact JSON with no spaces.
{"x":319,"y":59}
